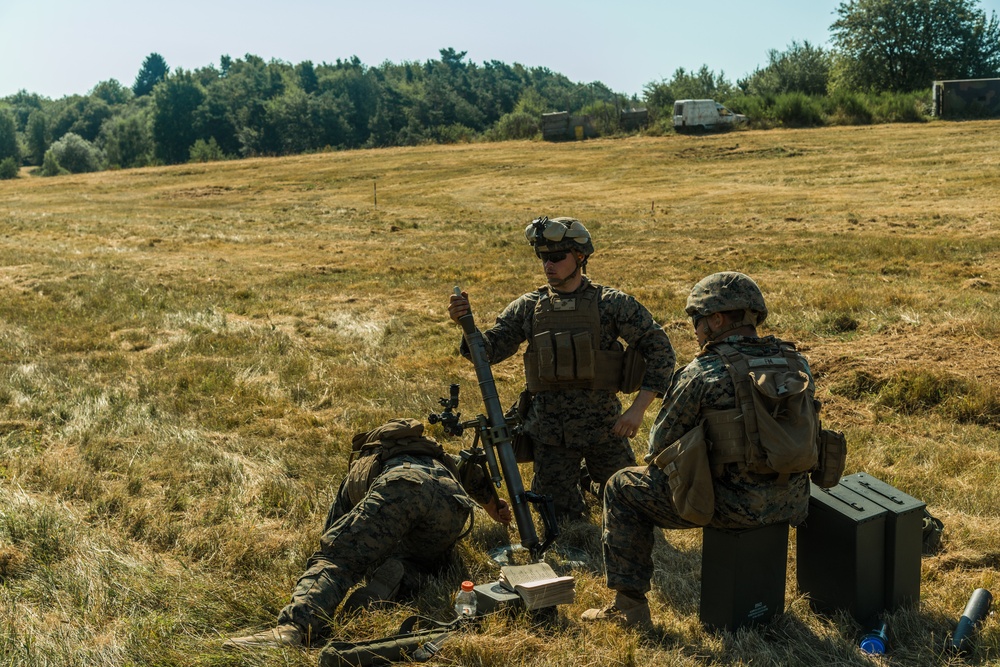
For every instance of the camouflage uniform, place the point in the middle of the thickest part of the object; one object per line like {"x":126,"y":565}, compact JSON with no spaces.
{"x":568,"y":426}
{"x":415,"y":511}
{"x":637,"y":499}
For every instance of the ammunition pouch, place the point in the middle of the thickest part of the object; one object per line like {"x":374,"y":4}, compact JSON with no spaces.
{"x":562,"y":361}
{"x":686,"y":465}
{"x":524,"y":447}
{"x":565,"y":349}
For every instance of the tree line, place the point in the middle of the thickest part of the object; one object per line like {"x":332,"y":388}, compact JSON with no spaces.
{"x":885,"y":55}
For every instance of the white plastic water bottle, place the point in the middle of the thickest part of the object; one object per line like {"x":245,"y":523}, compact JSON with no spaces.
{"x":465,"y":601}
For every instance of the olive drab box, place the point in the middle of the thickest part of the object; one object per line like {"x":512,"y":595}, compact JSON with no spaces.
{"x":689,"y":475}
{"x":840,"y":553}
{"x":775,"y":428}
{"x":903,"y":536}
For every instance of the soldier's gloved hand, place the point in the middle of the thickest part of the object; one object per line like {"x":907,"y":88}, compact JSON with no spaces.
{"x":458,"y":306}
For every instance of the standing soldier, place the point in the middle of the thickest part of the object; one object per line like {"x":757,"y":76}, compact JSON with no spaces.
{"x":575,"y":365}
{"x":708,"y":446}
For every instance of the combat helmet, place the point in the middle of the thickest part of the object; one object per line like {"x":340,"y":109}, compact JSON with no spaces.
{"x":726,"y":291}
{"x":556,"y":234}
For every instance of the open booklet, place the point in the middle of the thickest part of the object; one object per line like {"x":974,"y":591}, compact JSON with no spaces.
{"x":538,"y":585}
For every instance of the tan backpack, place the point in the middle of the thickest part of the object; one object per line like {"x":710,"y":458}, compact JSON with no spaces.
{"x":775,"y":427}
{"x":370,"y":451}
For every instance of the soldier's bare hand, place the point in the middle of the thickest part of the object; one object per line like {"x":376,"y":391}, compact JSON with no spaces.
{"x":458,"y":306}
{"x":499,"y":510}
{"x":628,"y":424}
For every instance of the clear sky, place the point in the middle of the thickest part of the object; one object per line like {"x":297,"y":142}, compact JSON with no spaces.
{"x":64,"y":47}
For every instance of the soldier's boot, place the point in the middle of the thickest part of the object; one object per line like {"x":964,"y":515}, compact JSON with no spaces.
{"x":283,"y":635}
{"x":627,"y":611}
{"x":381,"y":586}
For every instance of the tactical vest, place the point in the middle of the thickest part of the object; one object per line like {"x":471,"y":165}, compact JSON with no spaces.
{"x":775,"y":427}
{"x":564,"y":350}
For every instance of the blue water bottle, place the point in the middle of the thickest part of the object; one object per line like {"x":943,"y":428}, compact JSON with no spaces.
{"x":876,"y":641}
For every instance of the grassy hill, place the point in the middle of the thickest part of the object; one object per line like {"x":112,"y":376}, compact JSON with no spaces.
{"x":185,"y":353}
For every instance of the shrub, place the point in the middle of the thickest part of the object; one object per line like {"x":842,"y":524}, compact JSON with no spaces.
{"x":900,"y":107}
{"x":206,"y":151}
{"x":50,"y":165}
{"x":456,"y":133}
{"x":75,"y":154}
{"x":797,"y":110}
{"x":838,"y":323}
{"x":912,"y":393}
{"x":8,"y":169}
{"x":515,"y":125}
{"x":848,"y":108}
{"x":760,"y":110}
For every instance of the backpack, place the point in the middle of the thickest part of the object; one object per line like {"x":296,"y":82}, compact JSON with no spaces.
{"x":776,"y":423}
{"x":397,"y":437}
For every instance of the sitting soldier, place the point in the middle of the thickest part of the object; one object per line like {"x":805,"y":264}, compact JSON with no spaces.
{"x":711,"y":451}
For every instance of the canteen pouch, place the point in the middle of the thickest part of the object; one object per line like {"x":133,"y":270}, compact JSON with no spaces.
{"x":690,"y":476}
{"x":832,"y":447}
{"x":524,"y":448}
{"x":633,"y":371}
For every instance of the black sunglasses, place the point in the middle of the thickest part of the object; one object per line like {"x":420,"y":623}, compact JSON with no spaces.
{"x":552,"y":256}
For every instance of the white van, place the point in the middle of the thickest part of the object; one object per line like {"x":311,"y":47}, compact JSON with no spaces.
{"x":692,"y":115}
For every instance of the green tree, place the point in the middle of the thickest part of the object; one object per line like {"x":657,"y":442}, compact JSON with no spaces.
{"x":127,"y":140}
{"x":9,"y":146}
{"x":9,"y":168}
{"x":307,"y":76}
{"x":904,"y":45}
{"x":81,"y":115}
{"x":22,"y":103}
{"x":112,"y":92}
{"x":154,"y":69}
{"x":38,"y":136}
{"x":175,"y":103}
{"x":50,"y":165}
{"x":802,"y":68}
{"x":206,"y":151}
{"x":75,"y":154}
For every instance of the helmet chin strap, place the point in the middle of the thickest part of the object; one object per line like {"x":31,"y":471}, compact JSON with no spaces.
{"x":748,"y":319}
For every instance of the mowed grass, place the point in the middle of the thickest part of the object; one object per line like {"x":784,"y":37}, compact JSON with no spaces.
{"x":186,"y":351}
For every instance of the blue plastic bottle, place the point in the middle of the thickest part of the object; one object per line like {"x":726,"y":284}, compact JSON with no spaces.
{"x":876,"y":641}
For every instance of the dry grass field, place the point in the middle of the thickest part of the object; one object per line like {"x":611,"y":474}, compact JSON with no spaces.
{"x":185,"y":352}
